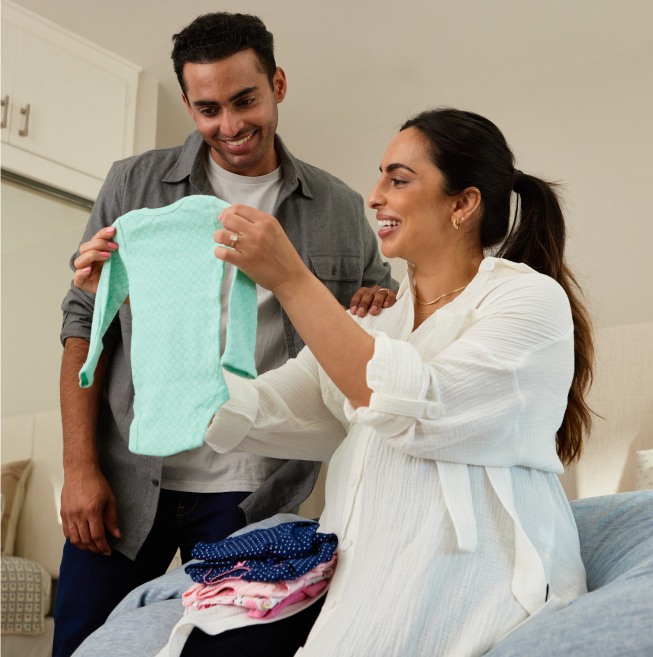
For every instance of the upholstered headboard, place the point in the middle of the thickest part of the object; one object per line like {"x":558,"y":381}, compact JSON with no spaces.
{"x":622,"y":394}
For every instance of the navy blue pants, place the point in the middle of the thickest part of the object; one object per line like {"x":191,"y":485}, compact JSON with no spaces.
{"x":91,"y":585}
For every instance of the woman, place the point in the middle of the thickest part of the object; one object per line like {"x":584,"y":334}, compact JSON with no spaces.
{"x":446,"y":418}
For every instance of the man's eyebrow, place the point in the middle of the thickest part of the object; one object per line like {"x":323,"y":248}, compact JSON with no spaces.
{"x":213,"y":103}
{"x":243,"y":92}
{"x":397,"y":165}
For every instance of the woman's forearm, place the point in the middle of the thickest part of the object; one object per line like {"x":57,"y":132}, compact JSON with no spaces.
{"x":341,"y":347}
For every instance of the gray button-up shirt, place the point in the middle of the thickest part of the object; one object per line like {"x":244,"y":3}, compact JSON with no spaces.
{"x":324,"y":220}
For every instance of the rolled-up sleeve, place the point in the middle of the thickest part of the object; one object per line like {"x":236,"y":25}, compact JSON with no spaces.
{"x":78,"y":305}
{"x":399,"y":382}
{"x":77,"y":310}
{"x":495,"y":396}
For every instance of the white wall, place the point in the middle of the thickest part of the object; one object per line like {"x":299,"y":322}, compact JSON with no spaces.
{"x":570,"y":82}
{"x":39,"y":234}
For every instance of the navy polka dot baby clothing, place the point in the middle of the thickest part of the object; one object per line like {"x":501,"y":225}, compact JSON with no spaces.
{"x":283,"y":552}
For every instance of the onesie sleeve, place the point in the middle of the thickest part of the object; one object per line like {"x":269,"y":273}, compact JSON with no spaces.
{"x":238,"y":357}
{"x":112,"y":290}
{"x":282,"y":414}
{"x":496,"y":395}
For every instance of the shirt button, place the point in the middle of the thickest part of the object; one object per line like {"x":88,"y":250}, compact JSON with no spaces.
{"x":346,"y":544}
{"x":434,"y":411}
{"x":155,"y":482}
{"x":487,"y":265}
{"x":353,"y":482}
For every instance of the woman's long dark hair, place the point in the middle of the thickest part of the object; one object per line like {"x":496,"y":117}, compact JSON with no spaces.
{"x":471,"y":151}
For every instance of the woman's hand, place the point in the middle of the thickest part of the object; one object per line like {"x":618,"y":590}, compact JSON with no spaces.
{"x":259,"y":247}
{"x":92,"y":255}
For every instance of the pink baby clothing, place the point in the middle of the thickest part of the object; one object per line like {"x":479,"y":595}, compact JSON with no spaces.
{"x":259,"y":606}
{"x":261,"y":598}
{"x":312,"y":591}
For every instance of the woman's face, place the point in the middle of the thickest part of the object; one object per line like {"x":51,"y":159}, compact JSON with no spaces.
{"x":413,"y":211}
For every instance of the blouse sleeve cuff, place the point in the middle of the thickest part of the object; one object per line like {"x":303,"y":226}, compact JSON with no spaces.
{"x":399,"y":383}
{"x":236,"y":417}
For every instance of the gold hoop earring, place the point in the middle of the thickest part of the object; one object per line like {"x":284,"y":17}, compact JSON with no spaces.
{"x":456,"y":223}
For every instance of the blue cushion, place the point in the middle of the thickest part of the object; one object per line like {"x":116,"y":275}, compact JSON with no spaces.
{"x":615,"y":619}
{"x":612,"y":620}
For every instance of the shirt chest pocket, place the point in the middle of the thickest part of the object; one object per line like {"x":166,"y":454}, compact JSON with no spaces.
{"x":342,"y":274}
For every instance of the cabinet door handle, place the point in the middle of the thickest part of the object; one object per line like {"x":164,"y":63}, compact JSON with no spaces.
{"x":25,"y":112}
{"x":5,"y":108}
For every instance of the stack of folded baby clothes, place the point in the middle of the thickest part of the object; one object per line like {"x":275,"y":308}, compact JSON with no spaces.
{"x":264,"y":570}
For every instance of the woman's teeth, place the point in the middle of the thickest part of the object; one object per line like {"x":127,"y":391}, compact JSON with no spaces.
{"x":388,"y":223}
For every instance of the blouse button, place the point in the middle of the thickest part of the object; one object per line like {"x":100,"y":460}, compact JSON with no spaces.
{"x":434,"y":410}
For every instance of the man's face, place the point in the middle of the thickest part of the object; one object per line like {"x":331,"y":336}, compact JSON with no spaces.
{"x":235,"y":110}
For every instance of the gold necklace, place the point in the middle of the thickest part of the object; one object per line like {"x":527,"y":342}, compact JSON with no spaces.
{"x":442,"y":296}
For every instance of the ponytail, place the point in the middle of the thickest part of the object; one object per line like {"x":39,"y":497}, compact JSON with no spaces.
{"x":538,"y":240}
{"x":470,"y":151}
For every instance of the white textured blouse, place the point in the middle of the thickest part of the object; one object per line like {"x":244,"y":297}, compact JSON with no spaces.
{"x":444,"y":493}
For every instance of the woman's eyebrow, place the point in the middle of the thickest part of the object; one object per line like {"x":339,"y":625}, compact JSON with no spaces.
{"x":397,"y":165}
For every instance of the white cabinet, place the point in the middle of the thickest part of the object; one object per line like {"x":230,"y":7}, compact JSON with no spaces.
{"x":68,"y":106}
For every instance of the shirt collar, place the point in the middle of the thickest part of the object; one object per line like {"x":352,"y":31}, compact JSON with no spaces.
{"x":292,"y":169}
{"x":190,"y":164}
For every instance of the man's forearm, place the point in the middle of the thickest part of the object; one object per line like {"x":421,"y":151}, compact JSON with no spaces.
{"x":79,"y":406}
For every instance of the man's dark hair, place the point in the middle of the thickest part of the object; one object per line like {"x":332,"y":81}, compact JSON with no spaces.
{"x":212,"y":37}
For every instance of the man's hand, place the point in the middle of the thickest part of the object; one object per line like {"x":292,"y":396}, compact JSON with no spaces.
{"x":88,"y":510}
{"x":92,"y":255}
{"x":372,"y":299}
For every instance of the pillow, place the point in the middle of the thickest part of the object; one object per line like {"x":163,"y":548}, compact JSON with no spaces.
{"x":25,"y":596}
{"x":14,"y":479}
{"x":614,"y":618}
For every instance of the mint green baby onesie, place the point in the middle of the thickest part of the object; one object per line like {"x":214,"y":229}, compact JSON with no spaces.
{"x":166,"y":265}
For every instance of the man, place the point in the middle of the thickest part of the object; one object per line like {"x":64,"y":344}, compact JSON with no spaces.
{"x":125,"y":515}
